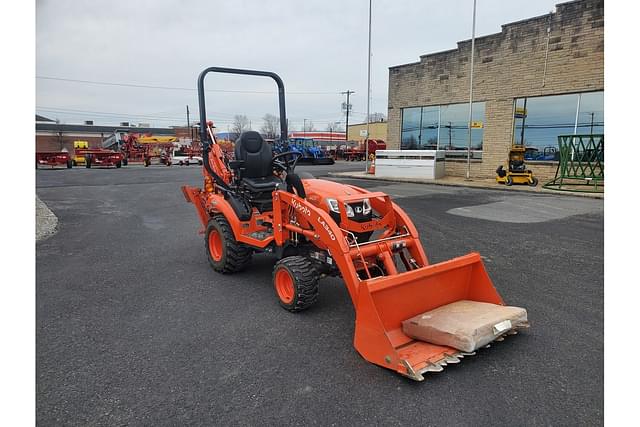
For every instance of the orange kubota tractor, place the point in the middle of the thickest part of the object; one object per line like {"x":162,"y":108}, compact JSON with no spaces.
{"x":316,"y":228}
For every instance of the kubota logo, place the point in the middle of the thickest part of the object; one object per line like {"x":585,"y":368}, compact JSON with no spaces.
{"x":300,"y":207}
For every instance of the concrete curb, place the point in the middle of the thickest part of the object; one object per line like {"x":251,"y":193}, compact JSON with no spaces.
{"x":46,"y":221}
{"x":485,"y":185}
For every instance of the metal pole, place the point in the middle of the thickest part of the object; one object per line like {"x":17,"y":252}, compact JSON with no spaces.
{"x":473,"y":44}
{"x":438,"y":141}
{"x":524,"y":118}
{"x":575,"y":125}
{"x":346,"y":134}
{"x":366,"y":144}
{"x":188,"y":126}
{"x":575,"y":128}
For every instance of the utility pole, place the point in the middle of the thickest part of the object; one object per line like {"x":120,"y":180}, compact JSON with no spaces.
{"x":346,"y":134}
{"x":366,"y":144}
{"x":188,"y":126}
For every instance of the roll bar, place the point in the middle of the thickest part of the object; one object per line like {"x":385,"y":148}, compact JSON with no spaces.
{"x":204,"y":137}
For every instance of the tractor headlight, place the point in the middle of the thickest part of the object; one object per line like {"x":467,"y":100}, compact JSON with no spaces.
{"x":366,"y":207}
{"x":333,"y":206}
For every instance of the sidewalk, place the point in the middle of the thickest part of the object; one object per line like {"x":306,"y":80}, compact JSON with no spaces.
{"x":454,"y":181}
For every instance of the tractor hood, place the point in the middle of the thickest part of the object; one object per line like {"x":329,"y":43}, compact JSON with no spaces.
{"x":318,"y":190}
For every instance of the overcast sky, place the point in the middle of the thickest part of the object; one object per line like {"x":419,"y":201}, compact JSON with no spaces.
{"x":318,"y":47}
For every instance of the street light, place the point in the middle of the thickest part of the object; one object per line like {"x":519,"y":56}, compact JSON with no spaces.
{"x":473,"y":43}
{"x":366,"y":144}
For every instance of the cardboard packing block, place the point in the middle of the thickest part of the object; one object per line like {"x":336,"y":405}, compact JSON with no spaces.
{"x":465,"y":325}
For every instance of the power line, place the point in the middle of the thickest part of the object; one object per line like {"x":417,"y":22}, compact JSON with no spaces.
{"x":114,"y":115}
{"x":141,"y":86}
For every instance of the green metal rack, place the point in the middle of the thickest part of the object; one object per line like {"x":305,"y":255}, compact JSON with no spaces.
{"x":581,"y":164}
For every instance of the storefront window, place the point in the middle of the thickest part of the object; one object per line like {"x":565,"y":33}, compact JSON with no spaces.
{"x":443,"y":127}
{"x":538,"y":121}
{"x":411,"y":128}
{"x":429,"y":128}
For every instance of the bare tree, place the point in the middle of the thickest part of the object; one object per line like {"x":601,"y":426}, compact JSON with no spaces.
{"x":307,"y":126}
{"x":240,"y":124}
{"x":335,"y":127}
{"x":377,"y":117}
{"x":270,"y":126}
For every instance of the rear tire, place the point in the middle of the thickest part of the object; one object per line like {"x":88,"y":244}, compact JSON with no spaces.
{"x":119,"y":164}
{"x":87,"y":162}
{"x":225,"y":254}
{"x":69,"y":164}
{"x":509,"y":180}
{"x":296,"y":283}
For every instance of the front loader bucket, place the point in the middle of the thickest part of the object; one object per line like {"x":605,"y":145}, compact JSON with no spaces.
{"x":383,"y":303}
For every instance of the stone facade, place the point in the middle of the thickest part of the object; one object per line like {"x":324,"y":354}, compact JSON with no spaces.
{"x":377,"y":130}
{"x":512,"y":64}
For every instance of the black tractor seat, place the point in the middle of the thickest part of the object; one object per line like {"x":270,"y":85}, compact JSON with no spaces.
{"x":267,"y":183}
{"x":256,"y":172}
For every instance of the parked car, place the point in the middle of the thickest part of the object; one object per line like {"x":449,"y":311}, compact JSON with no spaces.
{"x":185,"y":159}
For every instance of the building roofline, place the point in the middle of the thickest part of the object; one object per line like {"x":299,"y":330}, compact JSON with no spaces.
{"x":504,"y":28}
{"x":56,"y":127}
{"x":364,"y":123}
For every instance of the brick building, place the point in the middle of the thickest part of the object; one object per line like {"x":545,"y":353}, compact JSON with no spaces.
{"x":536,"y":79}
{"x":377,"y":130}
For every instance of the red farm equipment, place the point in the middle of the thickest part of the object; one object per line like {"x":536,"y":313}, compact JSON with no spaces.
{"x":90,"y":157}
{"x":142,"y":148}
{"x":315,"y":228}
{"x":53,"y":159}
{"x":355,"y":151}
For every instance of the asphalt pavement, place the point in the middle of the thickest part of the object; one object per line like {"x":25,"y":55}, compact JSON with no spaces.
{"x":135,"y":328}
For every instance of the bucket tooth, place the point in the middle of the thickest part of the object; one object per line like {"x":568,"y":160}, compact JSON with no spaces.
{"x":411,"y":373}
{"x":451,"y":358}
{"x":431,"y":367}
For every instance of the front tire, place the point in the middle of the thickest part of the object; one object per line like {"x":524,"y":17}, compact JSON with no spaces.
{"x":225,"y":254}
{"x":509,"y":181}
{"x":533,"y":182}
{"x":296,"y":283}
{"x":69,"y":164}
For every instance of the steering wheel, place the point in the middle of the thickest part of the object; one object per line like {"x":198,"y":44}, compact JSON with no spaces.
{"x":286,"y":161}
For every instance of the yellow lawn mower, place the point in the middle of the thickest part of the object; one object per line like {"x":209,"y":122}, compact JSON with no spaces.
{"x":517,"y":172}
